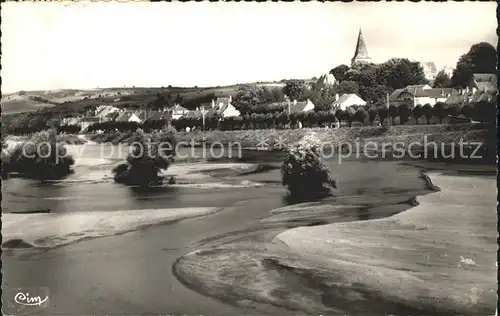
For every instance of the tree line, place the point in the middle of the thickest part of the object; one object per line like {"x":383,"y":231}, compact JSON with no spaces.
{"x":363,"y":115}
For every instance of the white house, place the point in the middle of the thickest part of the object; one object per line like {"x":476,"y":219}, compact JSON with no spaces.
{"x":178,"y":111}
{"x":300,"y":106}
{"x":128,"y":116}
{"x":430,"y":69}
{"x":347,"y":100}
{"x":134,"y":118}
{"x":224,"y":107}
{"x":432,"y":96}
{"x":103,"y":112}
{"x":419,"y":94}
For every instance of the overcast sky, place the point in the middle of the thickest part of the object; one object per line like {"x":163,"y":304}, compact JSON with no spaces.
{"x":111,"y":44}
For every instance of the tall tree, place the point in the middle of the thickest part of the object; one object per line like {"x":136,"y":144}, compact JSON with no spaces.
{"x":340,"y":115}
{"x":404,"y":113}
{"x":398,"y":73}
{"x":427,"y":112}
{"x":481,"y":58}
{"x":323,"y":98}
{"x":178,"y":99}
{"x":439,"y":110}
{"x":295,"y":89}
{"x":417,"y":113}
{"x":339,"y":72}
{"x":247,"y":97}
{"x":393,"y":112}
{"x":442,"y":80}
{"x":360,"y":115}
{"x":372,"y":114}
{"x":383,"y":113}
{"x":347,"y":86}
{"x":278,"y":94}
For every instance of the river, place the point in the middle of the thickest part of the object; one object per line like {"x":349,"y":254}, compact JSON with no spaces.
{"x":128,"y":270}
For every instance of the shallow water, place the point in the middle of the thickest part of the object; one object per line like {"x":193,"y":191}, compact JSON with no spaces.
{"x":145,"y":257}
{"x":91,"y":187}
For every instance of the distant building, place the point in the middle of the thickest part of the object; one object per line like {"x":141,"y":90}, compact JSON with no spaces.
{"x":300,"y":106}
{"x":87,"y":121}
{"x":71,"y":120}
{"x":430,"y":70}
{"x":420,"y":94}
{"x":448,"y":70}
{"x":484,"y":87}
{"x":361,"y":52}
{"x":225,"y":108}
{"x":326,"y":80}
{"x":347,"y":100}
{"x":154,"y":115}
{"x":103,"y":111}
{"x":432,"y":96}
{"x":128,"y":116}
{"x":178,"y":111}
{"x":407,"y":95}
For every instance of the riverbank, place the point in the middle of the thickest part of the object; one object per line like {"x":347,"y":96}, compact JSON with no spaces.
{"x":437,"y":257}
{"x":144,"y":283}
{"x":273,"y":137}
{"x":38,"y":230}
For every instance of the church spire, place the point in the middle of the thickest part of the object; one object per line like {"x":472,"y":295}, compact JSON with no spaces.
{"x":361,"y":53}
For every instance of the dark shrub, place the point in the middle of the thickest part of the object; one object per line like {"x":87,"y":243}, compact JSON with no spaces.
{"x":304,"y":174}
{"x":148,"y":156}
{"x":41,"y":157}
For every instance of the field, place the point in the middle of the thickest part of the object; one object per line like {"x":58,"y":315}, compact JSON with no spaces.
{"x":70,"y":100}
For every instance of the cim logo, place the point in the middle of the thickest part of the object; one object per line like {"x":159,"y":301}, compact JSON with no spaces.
{"x":24,"y":298}
{"x":27,"y":300}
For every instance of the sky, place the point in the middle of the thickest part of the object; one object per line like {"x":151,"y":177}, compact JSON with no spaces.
{"x":83,"y":45}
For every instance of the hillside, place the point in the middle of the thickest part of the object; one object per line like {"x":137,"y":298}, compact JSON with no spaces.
{"x":78,"y":100}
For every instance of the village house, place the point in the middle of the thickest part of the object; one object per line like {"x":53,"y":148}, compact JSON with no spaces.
{"x":430,"y":70}
{"x":482,"y":87}
{"x":72,"y":120}
{"x":432,"y":96}
{"x":127,"y":116}
{"x":154,"y":115}
{"x":178,"y":111}
{"x":347,"y":100}
{"x":326,"y":80}
{"x":224,"y":107}
{"x":104,"y":112}
{"x":87,"y":121}
{"x":300,"y":106}
{"x":419,"y":94}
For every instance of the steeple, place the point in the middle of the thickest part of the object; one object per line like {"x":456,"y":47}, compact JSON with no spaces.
{"x":361,"y":53}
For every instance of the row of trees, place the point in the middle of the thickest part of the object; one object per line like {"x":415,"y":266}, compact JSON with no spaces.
{"x":481,"y":111}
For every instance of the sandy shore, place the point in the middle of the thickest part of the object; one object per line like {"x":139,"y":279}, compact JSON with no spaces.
{"x":51,"y":230}
{"x":438,"y":257}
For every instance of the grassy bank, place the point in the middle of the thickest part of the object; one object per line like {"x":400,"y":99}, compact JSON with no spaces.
{"x":273,"y":139}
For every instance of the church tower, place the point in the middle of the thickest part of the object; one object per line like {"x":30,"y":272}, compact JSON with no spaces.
{"x":361,"y":53}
